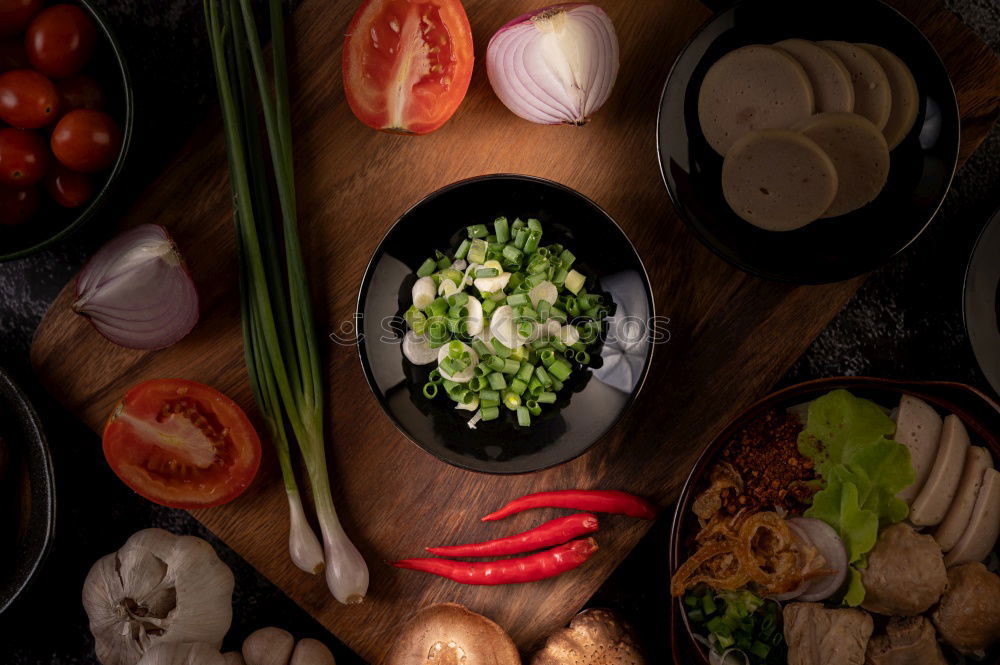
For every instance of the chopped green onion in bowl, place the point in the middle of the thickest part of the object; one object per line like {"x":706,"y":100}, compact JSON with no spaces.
{"x":507,"y":319}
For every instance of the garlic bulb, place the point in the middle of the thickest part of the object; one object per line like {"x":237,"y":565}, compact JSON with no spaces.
{"x":158,"y":588}
{"x":177,"y":653}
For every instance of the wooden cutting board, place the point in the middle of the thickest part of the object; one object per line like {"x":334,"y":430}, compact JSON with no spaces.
{"x":732,"y":335}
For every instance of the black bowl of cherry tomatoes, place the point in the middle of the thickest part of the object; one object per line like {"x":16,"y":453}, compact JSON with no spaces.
{"x":65,"y":120}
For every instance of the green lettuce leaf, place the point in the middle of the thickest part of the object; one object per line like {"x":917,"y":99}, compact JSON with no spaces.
{"x":862,"y":469}
{"x":855,"y":589}
{"x":838,"y":505}
{"x":838,"y":425}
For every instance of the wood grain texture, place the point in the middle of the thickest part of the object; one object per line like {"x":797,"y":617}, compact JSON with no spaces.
{"x":732,"y":335}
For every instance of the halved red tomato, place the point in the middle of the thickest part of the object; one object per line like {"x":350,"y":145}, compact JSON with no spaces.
{"x":407,"y":63}
{"x":181,"y":444}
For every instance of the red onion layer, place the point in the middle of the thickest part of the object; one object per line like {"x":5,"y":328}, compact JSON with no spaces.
{"x":555,"y":65}
{"x":137,"y":291}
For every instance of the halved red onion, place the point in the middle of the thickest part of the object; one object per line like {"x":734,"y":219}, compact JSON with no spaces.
{"x":825,"y":539}
{"x":136,"y":290}
{"x":555,"y":65}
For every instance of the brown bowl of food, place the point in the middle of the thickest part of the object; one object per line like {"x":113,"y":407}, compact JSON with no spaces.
{"x":852,"y":519}
{"x":27,"y":492}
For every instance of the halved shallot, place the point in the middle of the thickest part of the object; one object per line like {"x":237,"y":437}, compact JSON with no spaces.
{"x":136,"y":290}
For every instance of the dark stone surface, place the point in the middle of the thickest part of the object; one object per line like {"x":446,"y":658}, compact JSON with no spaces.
{"x":905,"y":322}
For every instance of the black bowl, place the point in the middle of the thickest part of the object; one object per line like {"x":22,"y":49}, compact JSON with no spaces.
{"x":592,"y":402}
{"x":52,"y":222}
{"x":978,"y":412}
{"x":829,"y":249}
{"x":27,"y":483}
{"x":981,"y":304}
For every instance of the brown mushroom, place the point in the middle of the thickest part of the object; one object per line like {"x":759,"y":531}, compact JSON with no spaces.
{"x":594,"y":637}
{"x":450,"y":634}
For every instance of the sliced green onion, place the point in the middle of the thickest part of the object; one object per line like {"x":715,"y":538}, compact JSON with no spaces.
{"x":495,"y":363}
{"x":560,"y":369}
{"x":477,"y":251}
{"x":430,"y":390}
{"x":557,"y":385}
{"x":487,"y":403}
{"x":511,"y":400}
{"x":497,"y":382}
{"x":533,"y":407}
{"x":487,"y":272}
{"x":510,"y":366}
{"x":546,"y":398}
{"x":512,"y":254}
{"x":582,"y":357}
{"x":531,"y":244}
{"x":517,"y":299}
{"x":520,"y":238}
{"x":525,"y":371}
{"x":489,"y":412}
{"x":426,"y":268}
{"x":500,"y":349}
{"x":535,"y":386}
{"x":463,"y":249}
{"x":517,"y":386}
{"x":502,"y":229}
{"x":543,"y":376}
{"x":477,"y":231}
{"x":574,"y":281}
{"x":490,"y":395}
{"x":547,"y":357}
{"x":523,"y":417}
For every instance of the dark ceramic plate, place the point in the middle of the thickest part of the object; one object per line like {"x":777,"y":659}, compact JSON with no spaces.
{"x":831,"y":249}
{"x":27,"y":486}
{"x":592,"y":402}
{"x":982,"y":301}
{"x":52,"y":222}
{"x":978,"y":412}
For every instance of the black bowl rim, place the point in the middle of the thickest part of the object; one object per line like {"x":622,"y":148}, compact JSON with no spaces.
{"x":916,"y":387}
{"x":35,"y":441}
{"x":100,"y":198}
{"x":967,"y":303}
{"x":366,"y":283}
{"x":777,"y":277}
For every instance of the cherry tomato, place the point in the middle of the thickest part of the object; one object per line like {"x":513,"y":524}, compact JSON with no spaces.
{"x":15,"y":14}
{"x":181,"y":444}
{"x":407,"y":63}
{"x":12,"y":55}
{"x":17,"y":205}
{"x":68,"y":188}
{"x":23,"y":158}
{"x":79,"y":92}
{"x":60,"y":40}
{"x":86,"y":140}
{"x":27,"y":99}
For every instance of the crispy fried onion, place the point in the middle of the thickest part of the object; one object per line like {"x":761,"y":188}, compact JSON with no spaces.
{"x":708,"y":504}
{"x":756,"y":549}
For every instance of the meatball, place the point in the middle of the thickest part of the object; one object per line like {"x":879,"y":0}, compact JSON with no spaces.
{"x":905,"y":574}
{"x":968,"y":617}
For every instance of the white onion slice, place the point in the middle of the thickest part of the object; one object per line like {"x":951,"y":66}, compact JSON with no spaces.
{"x":555,"y":65}
{"x":136,"y":290}
{"x":825,"y":539}
{"x":417,"y":350}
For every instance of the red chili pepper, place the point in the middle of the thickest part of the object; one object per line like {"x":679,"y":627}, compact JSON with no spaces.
{"x":553,"y":532}
{"x":598,"y":501}
{"x":531,"y":568}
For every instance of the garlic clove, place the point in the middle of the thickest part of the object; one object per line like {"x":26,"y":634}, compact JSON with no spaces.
{"x":268,"y":646}
{"x":311,"y":652}
{"x":234,"y":658}
{"x":158,"y":588}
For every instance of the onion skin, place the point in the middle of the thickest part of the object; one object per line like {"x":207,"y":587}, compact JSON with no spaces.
{"x":137,"y":292}
{"x":535,"y":75}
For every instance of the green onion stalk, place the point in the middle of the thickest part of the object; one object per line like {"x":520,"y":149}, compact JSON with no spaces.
{"x":280,"y":344}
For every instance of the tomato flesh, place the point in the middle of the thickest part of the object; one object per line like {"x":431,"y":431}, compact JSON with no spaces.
{"x":181,"y":444}
{"x":407,"y":65}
